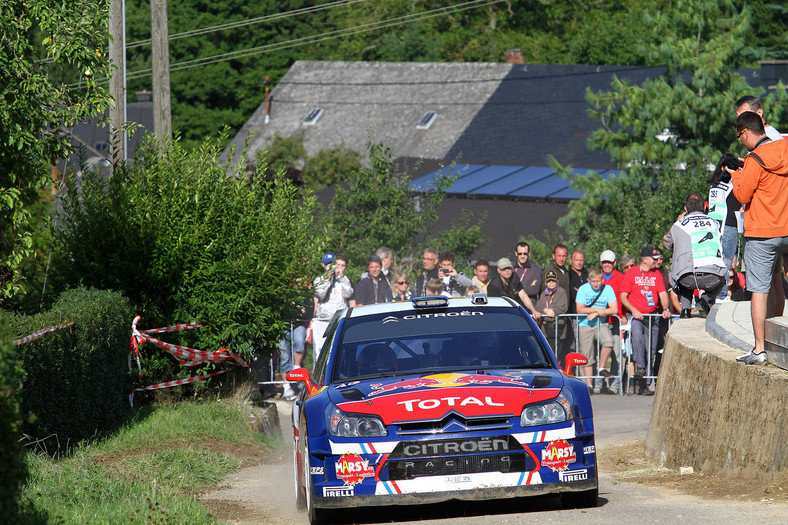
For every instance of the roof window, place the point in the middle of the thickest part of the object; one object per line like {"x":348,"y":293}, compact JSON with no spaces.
{"x":427,"y":120}
{"x":313,"y":116}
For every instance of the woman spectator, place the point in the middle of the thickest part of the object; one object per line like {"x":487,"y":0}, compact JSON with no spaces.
{"x":399,"y":288}
{"x":552,"y":303}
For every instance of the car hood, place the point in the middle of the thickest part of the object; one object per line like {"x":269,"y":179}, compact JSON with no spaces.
{"x":428,"y":397}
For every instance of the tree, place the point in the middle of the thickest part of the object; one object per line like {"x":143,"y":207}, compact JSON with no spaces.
{"x":665,"y":133}
{"x":376,"y":209}
{"x":49,"y":82}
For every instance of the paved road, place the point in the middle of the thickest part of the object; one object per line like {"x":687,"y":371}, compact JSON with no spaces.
{"x":263,"y":495}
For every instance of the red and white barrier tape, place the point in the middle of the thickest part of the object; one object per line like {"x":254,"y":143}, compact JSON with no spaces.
{"x":39,"y":333}
{"x":177,"y":382}
{"x":185,"y":355}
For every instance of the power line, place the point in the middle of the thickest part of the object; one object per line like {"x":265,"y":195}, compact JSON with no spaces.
{"x":330,"y":35}
{"x":249,"y":22}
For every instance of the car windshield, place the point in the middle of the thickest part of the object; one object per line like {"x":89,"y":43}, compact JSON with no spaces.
{"x":428,"y":342}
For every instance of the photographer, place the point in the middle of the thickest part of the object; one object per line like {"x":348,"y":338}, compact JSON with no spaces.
{"x":454,"y":282}
{"x":333,"y":292}
{"x":697,"y":257}
{"x":723,"y":208}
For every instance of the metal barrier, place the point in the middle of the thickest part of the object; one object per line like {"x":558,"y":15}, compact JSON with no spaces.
{"x":625,"y":373}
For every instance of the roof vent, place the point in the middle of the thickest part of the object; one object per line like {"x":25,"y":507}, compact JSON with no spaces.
{"x":313,"y":117}
{"x":427,"y":120}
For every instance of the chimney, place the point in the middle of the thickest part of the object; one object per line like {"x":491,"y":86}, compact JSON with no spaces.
{"x":514,"y":56}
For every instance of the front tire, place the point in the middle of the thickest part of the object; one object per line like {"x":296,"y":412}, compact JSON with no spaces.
{"x":316,"y":516}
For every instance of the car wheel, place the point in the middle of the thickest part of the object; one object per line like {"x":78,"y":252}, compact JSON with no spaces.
{"x":300,"y":497}
{"x":580,"y":500}
{"x":316,"y":516}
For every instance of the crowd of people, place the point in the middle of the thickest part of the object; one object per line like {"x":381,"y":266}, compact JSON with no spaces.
{"x":639,"y":293}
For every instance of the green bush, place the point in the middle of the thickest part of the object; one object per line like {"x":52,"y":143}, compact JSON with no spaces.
{"x":76,"y":379}
{"x":11,"y":468}
{"x":187,"y":238}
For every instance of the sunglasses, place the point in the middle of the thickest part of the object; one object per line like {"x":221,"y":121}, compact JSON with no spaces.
{"x":402,"y":282}
{"x":741,"y":133}
{"x":522,"y":253}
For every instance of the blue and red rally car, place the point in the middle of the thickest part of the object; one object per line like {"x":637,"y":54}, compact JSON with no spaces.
{"x":439,"y":399}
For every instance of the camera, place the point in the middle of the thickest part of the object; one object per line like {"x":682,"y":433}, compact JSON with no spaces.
{"x":444,"y":270}
{"x":731,"y":162}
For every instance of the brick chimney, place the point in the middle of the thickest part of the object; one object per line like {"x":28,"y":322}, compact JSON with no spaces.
{"x":514,"y":56}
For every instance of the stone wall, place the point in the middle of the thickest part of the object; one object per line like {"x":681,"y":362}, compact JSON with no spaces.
{"x":713,"y":413}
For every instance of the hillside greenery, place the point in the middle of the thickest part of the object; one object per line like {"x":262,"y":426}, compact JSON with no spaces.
{"x":227,"y":91}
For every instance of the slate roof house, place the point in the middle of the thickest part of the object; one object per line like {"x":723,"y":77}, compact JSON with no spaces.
{"x":499,"y":121}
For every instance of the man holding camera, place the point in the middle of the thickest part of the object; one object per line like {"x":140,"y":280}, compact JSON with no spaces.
{"x":454,"y":282}
{"x":334,"y":292}
{"x":697,"y":257}
{"x":762,"y":186}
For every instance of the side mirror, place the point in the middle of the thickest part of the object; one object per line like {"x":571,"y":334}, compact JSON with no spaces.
{"x":574,"y":359}
{"x":302,"y":374}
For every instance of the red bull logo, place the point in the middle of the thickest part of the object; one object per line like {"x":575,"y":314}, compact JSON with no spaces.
{"x":446,"y":380}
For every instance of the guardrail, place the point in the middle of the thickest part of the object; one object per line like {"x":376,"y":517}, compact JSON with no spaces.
{"x":622,"y":350}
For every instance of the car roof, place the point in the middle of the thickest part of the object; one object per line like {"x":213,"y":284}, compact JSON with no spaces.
{"x":407,"y":306}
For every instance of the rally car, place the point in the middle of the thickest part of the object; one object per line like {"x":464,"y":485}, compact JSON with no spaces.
{"x":439,"y":399}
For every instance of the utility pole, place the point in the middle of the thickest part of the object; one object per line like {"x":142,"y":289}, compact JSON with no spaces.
{"x":162,"y":107}
{"x":117,"y":84}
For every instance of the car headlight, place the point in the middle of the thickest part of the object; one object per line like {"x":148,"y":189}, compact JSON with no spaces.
{"x":553,"y":411}
{"x":341,"y":424}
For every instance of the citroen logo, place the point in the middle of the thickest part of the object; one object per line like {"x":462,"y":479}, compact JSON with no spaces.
{"x":390,"y":319}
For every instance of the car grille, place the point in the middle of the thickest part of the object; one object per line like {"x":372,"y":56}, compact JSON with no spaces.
{"x":453,"y":423}
{"x":413,"y":468}
{"x":461,"y":455}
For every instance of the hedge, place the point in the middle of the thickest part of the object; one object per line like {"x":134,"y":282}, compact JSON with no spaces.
{"x":11,"y":466}
{"x":76,"y":382}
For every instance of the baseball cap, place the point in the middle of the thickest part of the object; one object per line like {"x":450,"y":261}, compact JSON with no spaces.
{"x":504,"y":262}
{"x":650,"y":251}
{"x":328,"y":258}
{"x":607,"y":255}
{"x":550,"y":276}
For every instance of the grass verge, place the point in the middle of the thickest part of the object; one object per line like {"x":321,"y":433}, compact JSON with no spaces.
{"x":149,"y":471}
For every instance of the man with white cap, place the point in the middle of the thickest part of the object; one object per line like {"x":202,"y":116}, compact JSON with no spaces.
{"x":613,"y":278}
{"x":504,"y":285}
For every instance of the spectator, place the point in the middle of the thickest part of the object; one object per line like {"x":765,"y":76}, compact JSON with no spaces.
{"x":557,"y":266}
{"x":529,"y":273}
{"x":400,"y":290}
{"x":373,"y":289}
{"x":429,"y":262}
{"x":505,"y":284}
{"x":753,"y":104}
{"x":697,"y":262}
{"x":454,"y":282}
{"x":612,"y":278}
{"x":472,"y":289}
{"x":386,"y":259}
{"x":434,"y":287}
{"x":762,"y":186}
{"x":481,"y":275}
{"x":578,"y":276}
{"x":333,"y":292}
{"x":292,"y":346}
{"x":642,"y":292}
{"x":723,"y":208}
{"x":552,"y":303}
{"x":596,"y":301}
{"x":627,"y":263}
